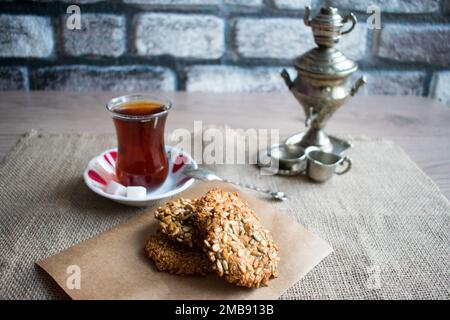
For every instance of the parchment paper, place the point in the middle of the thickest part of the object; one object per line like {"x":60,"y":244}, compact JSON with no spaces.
{"x":112,"y":264}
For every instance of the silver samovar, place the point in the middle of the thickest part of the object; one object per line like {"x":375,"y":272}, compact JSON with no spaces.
{"x":321,"y":85}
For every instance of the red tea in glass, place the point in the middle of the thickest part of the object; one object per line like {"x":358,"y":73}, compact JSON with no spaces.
{"x":141,"y":157}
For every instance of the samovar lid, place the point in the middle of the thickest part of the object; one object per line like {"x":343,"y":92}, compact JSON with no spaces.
{"x":325,"y":63}
{"x":327,"y":26}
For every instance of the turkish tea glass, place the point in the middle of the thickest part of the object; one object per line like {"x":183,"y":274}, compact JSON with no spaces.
{"x":140,"y":121}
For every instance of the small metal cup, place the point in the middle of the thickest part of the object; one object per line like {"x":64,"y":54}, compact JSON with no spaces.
{"x":283,"y":159}
{"x":322,"y":165}
{"x":291,"y":159}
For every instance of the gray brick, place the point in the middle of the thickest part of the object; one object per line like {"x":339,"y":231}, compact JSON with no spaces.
{"x":100,"y":35}
{"x":13,"y":78}
{"x":235,"y":79}
{"x":71,"y":1}
{"x":412,"y":43}
{"x":447,"y":7}
{"x":271,"y":38}
{"x":89,"y":78}
{"x":440,"y":86}
{"x":25,"y":36}
{"x":287,"y":38}
{"x":187,"y":3}
{"x":174,"y":2}
{"x":392,"y":6}
{"x":395,"y":83}
{"x":244,"y":3}
{"x":193,"y":36}
{"x":293,"y":4}
{"x":354,"y":44}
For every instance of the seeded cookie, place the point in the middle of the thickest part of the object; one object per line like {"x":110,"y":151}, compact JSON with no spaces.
{"x":176,"y":258}
{"x":176,"y":221}
{"x":241,"y":249}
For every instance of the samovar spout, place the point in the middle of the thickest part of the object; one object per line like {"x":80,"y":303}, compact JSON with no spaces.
{"x":358,"y":84}
{"x":287,"y":78}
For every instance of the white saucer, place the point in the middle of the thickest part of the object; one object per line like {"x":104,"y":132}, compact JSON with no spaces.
{"x":101,"y":170}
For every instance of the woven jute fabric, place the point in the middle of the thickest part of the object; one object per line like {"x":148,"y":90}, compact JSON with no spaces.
{"x":387,"y":221}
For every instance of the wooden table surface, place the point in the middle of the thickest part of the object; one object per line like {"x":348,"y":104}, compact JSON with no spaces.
{"x":420,"y":125}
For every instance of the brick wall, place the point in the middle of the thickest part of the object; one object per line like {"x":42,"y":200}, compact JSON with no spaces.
{"x":214,"y":45}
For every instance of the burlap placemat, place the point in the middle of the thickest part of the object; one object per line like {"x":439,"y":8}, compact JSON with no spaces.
{"x":386,"y":220}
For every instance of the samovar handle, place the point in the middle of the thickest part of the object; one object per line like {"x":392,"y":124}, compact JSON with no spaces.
{"x":351,"y":17}
{"x":306,"y":19}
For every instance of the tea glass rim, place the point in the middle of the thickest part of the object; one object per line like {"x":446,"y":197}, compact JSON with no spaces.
{"x":120,"y":100}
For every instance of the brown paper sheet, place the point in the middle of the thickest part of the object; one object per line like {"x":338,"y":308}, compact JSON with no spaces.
{"x":113,"y":266}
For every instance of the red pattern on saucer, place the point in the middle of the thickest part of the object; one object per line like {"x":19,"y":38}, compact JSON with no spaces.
{"x":101,"y":170}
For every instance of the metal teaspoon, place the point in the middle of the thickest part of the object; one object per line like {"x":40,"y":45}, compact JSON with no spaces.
{"x":206,"y":175}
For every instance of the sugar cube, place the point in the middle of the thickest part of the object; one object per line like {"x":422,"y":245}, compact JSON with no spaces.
{"x":136,"y":192}
{"x":116,"y":188}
